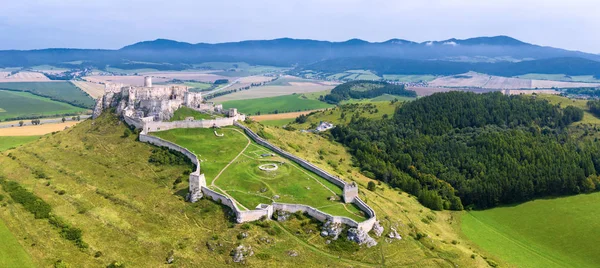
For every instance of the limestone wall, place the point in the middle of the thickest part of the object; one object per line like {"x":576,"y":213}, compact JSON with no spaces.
{"x":368,"y":224}
{"x":160,"y":126}
{"x":163,"y":143}
{"x":133,"y":122}
{"x":315,"y":213}
{"x":333,"y":179}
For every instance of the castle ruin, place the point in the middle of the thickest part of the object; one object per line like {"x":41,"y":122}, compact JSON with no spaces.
{"x":151,"y":103}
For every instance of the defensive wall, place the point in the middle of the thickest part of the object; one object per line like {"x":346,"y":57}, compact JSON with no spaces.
{"x":198,"y":181}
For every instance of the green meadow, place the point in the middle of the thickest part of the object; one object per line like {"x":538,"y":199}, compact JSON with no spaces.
{"x":280,"y":104}
{"x":63,"y":91}
{"x":26,"y":105}
{"x":11,"y":252}
{"x":243,"y":179}
{"x":559,"y":232}
{"x":8,"y":142}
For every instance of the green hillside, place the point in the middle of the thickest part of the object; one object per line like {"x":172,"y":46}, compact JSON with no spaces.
{"x":558,"y":232}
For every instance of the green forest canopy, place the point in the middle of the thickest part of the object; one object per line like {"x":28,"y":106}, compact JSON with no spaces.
{"x":478,"y":150}
{"x":365,"y":90}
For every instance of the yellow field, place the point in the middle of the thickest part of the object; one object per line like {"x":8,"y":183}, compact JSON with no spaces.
{"x":36,"y":130}
{"x":23,"y":77}
{"x":95,"y":90}
{"x":266,"y":117}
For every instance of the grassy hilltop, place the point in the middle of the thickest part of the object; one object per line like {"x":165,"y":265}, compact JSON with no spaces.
{"x":99,"y":180}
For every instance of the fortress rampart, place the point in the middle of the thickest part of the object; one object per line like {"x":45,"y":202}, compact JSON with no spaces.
{"x":198,"y":186}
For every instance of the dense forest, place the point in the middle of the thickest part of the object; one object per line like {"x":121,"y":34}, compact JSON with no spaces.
{"x":365,"y":90}
{"x":477,"y":150}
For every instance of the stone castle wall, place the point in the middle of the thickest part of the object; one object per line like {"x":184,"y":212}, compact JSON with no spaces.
{"x":218,"y":122}
{"x":333,"y":179}
{"x":197,"y":180}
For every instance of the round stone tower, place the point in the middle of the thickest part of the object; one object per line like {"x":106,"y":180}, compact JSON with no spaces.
{"x":148,"y":81}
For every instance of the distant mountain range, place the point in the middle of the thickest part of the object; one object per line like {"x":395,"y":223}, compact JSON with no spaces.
{"x":392,"y":56}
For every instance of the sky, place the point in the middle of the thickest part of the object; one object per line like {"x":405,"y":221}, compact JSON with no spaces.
{"x":112,"y":24}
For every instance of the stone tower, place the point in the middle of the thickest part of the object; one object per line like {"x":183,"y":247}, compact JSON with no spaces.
{"x":197,"y":181}
{"x":148,"y":81}
{"x":350,"y":192}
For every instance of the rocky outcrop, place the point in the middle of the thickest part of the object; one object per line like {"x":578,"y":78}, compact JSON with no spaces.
{"x":361,"y":237}
{"x":394,"y":234}
{"x":377,"y":229}
{"x":240,"y":253}
{"x":332,"y":229}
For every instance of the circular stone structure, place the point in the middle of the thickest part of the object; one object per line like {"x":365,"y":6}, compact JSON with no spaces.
{"x":268,"y":167}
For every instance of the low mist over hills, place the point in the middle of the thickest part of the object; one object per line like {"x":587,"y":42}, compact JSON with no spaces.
{"x":500,"y":55}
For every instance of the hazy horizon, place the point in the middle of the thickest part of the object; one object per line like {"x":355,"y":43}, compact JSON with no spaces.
{"x":111,"y":24}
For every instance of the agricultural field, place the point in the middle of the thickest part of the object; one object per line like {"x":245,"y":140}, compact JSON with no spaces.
{"x":60,"y":91}
{"x":561,"y":77}
{"x":26,"y":105}
{"x":237,"y":69}
{"x":185,"y":112}
{"x":33,"y":130}
{"x":555,"y":232}
{"x":95,"y":90}
{"x":198,"y":86}
{"x":271,"y":90}
{"x":479,"y":80}
{"x":280,"y":104}
{"x":198,"y":76}
{"x":409,"y":78}
{"x":15,"y":141}
{"x":354,"y":75}
{"x":240,"y":177}
{"x":6,"y":76}
{"x":133,"y":80}
{"x":277,"y":122}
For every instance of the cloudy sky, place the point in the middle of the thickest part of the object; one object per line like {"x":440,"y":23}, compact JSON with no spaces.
{"x":30,"y":24}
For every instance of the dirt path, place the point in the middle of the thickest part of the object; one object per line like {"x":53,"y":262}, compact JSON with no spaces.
{"x":228,"y":164}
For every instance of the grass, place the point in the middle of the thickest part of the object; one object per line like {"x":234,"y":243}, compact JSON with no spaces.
{"x":11,"y":252}
{"x":130,"y":212}
{"x":244,"y":181}
{"x":542,"y":233}
{"x":184,"y":112}
{"x":199,"y":86}
{"x":63,"y":91}
{"x":280,"y":104}
{"x":8,"y":142}
{"x":409,"y":78}
{"x":588,"y":118}
{"x":278,"y":122}
{"x":354,"y":75}
{"x":27,"y":105}
{"x":343,"y":114}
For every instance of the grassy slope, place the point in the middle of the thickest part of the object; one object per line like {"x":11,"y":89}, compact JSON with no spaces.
{"x":184,"y":112}
{"x":393,"y":208}
{"x":64,"y":91}
{"x":11,"y":252}
{"x":8,"y":142}
{"x":588,"y":118}
{"x":289,"y":103}
{"x":542,"y":233}
{"x":23,"y":104}
{"x":363,"y":108}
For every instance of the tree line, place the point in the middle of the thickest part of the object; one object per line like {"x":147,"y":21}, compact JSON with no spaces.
{"x":365,"y":90}
{"x":476,"y":150}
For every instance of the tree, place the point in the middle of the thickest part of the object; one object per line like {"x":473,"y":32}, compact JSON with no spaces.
{"x":21,"y":123}
{"x":371,"y":186}
{"x":63,"y":119}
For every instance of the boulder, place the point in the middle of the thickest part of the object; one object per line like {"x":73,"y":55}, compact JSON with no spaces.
{"x":377,"y":229}
{"x":332,"y":229}
{"x":361,"y":237}
{"x":240,"y":253}
{"x":394,"y":234}
{"x":283,"y":215}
